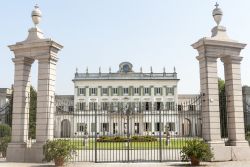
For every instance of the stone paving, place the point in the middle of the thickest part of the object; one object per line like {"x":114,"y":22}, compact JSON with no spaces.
{"x":3,"y":163}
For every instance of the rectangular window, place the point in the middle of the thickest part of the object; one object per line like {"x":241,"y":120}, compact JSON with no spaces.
{"x":60,"y":108}
{"x":71,"y":108}
{"x":136,"y":90}
{"x":147,"y":106}
{"x":125,"y":91}
{"x":104,"y":127}
{"x":104,"y":91}
{"x":104,"y":106}
{"x":180,"y":107}
{"x":170,"y":106}
{"x":92,"y":106}
{"x":81,"y":127}
{"x":81,"y":91}
{"x":158,"y":126}
{"x":171,"y":126}
{"x":146,"y":91}
{"x":158,"y":91}
{"x":115,"y":91}
{"x":147,"y":127}
{"x":158,"y":106}
{"x":93,"y":91}
{"x":191,"y":107}
{"x":115,"y":128}
{"x":170,"y":90}
{"x":137,"y":127}
{"x":114,"y":106}
{"x":81,"y":106}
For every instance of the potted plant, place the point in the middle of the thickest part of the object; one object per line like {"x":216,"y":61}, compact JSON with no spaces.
{"x":60,"y":151}
{"x":5,"y":138}
{"x":4,"y":144}
{"x":196,"y":150}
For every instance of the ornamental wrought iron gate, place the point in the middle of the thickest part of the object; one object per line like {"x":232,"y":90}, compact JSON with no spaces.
{"x":130,"y":131}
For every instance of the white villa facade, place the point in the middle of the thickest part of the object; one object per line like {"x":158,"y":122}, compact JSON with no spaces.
{"x":103,"y":94}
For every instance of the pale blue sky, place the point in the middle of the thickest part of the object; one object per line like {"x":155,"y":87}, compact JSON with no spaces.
{"x":104,"y":33}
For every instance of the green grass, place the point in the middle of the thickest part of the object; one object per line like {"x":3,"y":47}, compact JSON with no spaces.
{"x":248,"y":137}
{"x":174,"y":144}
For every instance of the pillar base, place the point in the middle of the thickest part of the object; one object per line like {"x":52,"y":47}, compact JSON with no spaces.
{"x":241,"y":143}
{"x":220,"y":151}
{"x":16,"y":152}
{"x":19,"y":152}
{"x":35,"y":153}
{"x":240,"y":153}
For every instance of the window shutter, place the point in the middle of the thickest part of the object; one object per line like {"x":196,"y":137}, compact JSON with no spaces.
{"x":90,"y":94}
{"x":150,"y":90}
{"x":167,"y":91}
{"x":120,"y":91}
{"x":131,"y":91}
{"x":107,"y":127}
{"x":161,"y":91}
{"x":173,"y":90}
{"x":162,"y":106}
{"x":155,"y":91}
{"x":150,"y":106}
{"x":78,"y":91}
{"x":111,"y":91}
{"x":140,"y":90}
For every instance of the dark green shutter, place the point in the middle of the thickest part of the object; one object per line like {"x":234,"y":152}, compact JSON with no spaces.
{"x":78,"y":91}
{"x":120,"y":91}
{"x":131,"y":91}
{"x":140,"y":90}
{"x":100,"y":88}
{"x":150,"y":90}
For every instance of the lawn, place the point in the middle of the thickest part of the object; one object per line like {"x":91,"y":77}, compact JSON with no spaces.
{"x":174,"y":144}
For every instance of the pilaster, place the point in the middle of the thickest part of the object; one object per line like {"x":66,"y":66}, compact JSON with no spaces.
{"x":20,"y":115}
{"x":236,"y":131}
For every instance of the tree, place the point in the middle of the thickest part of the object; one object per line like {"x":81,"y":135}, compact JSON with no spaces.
{"x":32,"y":113}
{"x":223,"y":109}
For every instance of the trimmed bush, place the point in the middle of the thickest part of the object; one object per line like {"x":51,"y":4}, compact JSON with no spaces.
{"x":5,"y":130}
{"x":5,"y":137}
{"x":4,"y":144}
{"x":125,"y":139}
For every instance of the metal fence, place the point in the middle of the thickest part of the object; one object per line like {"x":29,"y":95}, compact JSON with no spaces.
{"x":130,"y":131}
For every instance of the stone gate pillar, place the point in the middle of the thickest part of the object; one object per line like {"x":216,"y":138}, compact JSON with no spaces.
{"x":20,"y":114}
{"x":35,"y":47}
{"x":219,"y":45}
{"x":236,"y":131}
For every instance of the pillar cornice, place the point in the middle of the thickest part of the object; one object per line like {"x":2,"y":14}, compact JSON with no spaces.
{"x":36,"y":45}
{"x":231,"y":59}
{"x":203,"y":57}
{"x":211,"y":41}
{"x":23,"y":60}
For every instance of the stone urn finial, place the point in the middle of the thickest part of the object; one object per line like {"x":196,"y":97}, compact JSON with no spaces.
{"x":36,"y":15}
{"x":217,"y":14}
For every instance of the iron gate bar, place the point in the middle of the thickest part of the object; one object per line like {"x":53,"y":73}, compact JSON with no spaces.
{"x":133,"y":121}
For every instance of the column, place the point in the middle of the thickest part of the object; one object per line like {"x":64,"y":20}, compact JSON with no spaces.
{"x":210,"y":99}
{"x":236,"y":131}
{"x":20,"y":115}
{"x":45,"y":99}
